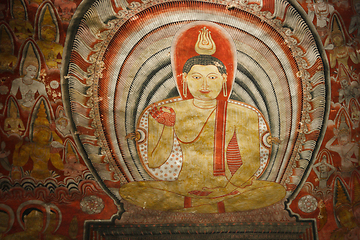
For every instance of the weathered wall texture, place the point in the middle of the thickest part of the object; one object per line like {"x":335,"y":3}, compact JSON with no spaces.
{"x":105,"y":135}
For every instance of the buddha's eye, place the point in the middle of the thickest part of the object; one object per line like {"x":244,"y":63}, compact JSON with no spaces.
{"x":213,"y":77}
{"x":196,"y":77}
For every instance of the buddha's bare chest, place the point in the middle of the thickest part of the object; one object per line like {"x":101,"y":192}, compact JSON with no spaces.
{"x":192,"y":127}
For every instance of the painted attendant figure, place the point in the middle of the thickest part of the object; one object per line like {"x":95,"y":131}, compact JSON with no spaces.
{"x":28,"y":87}
{"x":219,"y":140}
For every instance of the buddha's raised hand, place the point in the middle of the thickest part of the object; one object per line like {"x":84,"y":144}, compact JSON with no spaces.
{"x":164,"y":115}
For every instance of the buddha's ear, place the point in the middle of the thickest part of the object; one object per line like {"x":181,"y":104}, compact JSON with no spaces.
{"x":184,"y":75}
{"x":224,"y":77}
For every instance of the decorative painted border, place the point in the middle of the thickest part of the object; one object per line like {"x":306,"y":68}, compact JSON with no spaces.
{"x":102,"y":20}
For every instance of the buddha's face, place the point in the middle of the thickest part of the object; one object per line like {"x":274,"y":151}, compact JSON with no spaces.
{"x":30,"y":71}
{"x":204,"y":82}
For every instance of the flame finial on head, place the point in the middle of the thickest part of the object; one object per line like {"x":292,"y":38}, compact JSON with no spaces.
{"x":205,"y":44}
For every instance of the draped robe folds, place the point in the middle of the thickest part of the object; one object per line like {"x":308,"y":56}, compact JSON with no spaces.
{"x":195,"y":130}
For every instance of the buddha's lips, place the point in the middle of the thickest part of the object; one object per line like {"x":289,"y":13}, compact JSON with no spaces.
{"x":204,"y":91}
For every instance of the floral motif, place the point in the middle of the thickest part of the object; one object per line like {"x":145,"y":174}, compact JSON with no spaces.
{"x":308,"y":204}
{"x":92,"y":204}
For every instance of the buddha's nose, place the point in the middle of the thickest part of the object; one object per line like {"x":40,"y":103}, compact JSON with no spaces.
{"x":205,"y":85}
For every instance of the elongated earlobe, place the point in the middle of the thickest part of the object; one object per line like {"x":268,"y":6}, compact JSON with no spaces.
{"x":185,"y":88}
{"x":184,"y":84}
{"x":225,"y":85}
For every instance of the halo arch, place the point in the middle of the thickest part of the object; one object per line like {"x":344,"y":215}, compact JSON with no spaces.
{"x":119,"y":63}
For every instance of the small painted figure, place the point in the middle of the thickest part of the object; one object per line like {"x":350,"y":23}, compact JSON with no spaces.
{"x":19,"y":24}
{"x":28,"y":87}
{"x":348,"y":150}
{"x":347,"y":91}
{"x":48,"y":42}
{"x":13,"y":124}
{"x":62,"y":123}
{"x":73,"y":168}
{"x":44,"y":146}
{"x":339,"y":51}
{"x":322,"y":10}
{"x":323,"y":171}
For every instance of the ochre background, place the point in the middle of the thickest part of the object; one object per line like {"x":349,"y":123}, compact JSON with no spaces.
{"x":74,"y":195}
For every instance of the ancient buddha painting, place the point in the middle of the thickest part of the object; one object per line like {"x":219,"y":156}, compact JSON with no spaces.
{"x":219,"y":118}
{"x":214,"y":143}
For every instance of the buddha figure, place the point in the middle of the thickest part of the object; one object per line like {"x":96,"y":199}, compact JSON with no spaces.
{"x":218,"y":139}
{"x":340,"y":53}
{"x":13,"y":124}
{"x":348,"y":150}
{"x":28,"y":87}
{"x":19,"y":24}
{"x":44,"y":146}
{"x":47,"y":43}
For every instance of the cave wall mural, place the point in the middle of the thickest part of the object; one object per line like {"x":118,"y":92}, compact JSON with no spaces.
{"x":158,"y":119}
